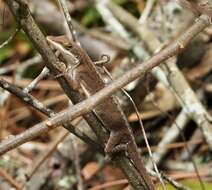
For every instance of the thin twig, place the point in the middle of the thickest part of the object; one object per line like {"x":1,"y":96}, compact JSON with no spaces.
{"x":174,"y":183}
{"x":10,"y":38}
{"x":10,"y":179}
{"x":23,"y":2}
{"x":35,"y":60}
{"x":80,"y":185}
{"x":147,"y":11}
{"x":46,"y":155}
{"x":33,"y":84}
{"x":110,"y":184}
{"x":171,"y":135}
{"x":69,"y":21}
{"x":110,"y":19}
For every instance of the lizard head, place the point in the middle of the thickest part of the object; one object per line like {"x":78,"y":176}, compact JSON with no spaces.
{"x":59,"y":40}
{"x":62,"y":47}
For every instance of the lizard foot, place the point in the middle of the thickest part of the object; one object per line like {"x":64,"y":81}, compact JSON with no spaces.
{"x":101,"y":63}
{"x":115,"y":143}
{"x":104,"y":59}
{"x":72,"y":69}
{"x":60,"y":75}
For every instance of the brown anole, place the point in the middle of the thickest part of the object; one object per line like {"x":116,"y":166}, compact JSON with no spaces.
{"x":85,"y":77}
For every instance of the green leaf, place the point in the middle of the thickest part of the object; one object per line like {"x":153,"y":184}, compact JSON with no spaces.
{"x":5,"y":53}
{"x":193,"y":184}
{"x":90,"y":17}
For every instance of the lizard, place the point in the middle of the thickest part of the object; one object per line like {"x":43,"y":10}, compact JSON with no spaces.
{"x":85,"y":77}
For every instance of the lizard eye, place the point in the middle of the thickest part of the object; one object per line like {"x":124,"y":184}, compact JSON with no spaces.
{"x":69,"y":47}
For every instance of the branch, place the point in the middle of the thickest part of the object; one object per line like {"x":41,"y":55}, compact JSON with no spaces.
{"x":174,"y":183}
{"x":147,"y":11}
{"x":44,"y":73}
{"x":68,"y":21}
{"x":171,"y":135}
{"x":9,"y":39}
{"x":35,"y":60}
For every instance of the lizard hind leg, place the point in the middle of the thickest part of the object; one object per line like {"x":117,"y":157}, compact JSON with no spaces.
{"x":115,"y":143}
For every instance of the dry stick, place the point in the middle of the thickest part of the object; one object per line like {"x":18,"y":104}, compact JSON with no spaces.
{"x":147,"y":11}
{"x":110,"y":184}
{"x":10,"y":38}
{"x":23,"y":16}
{"x":88,"y":104}
{"x":44,"y":73}
{"x":171,"y":135}
{"x":33,"y":102}
{"x":23,"y":2}
{"x":27,"y":98}
{"x":100,"y":4}
{"x":69,"y":21}
{"x":32,"y":61}
{"x":197,"y":7}
{"x":46,"y":155}
{"x":174,"y":183}
{"x":80,"y":185}
{"x":43,"y":85}
{"x":10,"y":179}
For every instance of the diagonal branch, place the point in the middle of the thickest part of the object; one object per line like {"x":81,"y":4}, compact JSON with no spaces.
{"x":36,"y":104}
